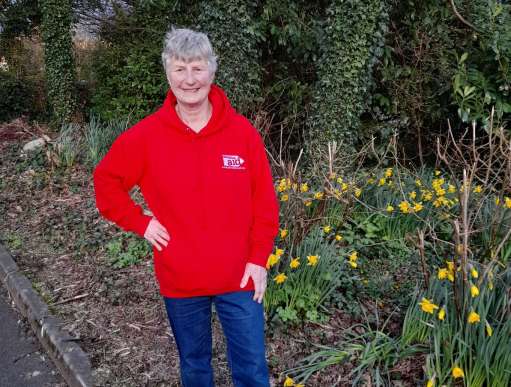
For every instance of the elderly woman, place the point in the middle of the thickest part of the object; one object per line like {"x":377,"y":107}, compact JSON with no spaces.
{"x":203,"y":172}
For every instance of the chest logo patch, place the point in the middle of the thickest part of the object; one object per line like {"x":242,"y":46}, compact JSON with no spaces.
{"x":233,"y":162}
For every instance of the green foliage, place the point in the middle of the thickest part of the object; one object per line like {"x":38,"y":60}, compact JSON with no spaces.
{"x":18,"y":17}
{"x":130,"y":79}
{"x":16,"y":97}
{"x":352,"y":44}
{"x":231,"y":27}
{"x":479,"y":348}
{"x":68,"y":145}
{"x":127,"y":250}
{"x":99,"y":136}
{"x":58,"y":55}
{"x":308,"y":288}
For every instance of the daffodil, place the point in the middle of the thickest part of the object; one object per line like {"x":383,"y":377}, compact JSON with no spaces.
{"x":428,"y":306}
{"x":430,"y":383}
{"x":389,"y":208}
{"x":370,"y":180}
{"x":353,"y":264}
{"x":441,"y":314}
{"x":478,"y":189}
{"x":404,"y":206}
{"x":388,"y":172}
{"x":442,"y":273}
{"x":353,"y":256}
{"x":497,"y":201}
{"x":280,"y":278}
{"x":457,"y":372}
{"x":381,"y":182}
{"x":412,"y":195}
{"x":272,"y":261}
{"x":451,"y":188}
{"x":318,"y":195}
{"x":283,"y":233}
{"x":437,"y":172}
{"x":473,"y":318}
{"x":358,"y":192}
{"x":474,"y":291}
{"x":338,"y":237}
{"x":507,"y":202}
{"x":340,"y":180}
{"x":417,"y":207}
{"x":344,"y":187}
{"x":304,"y":187}
{"x":474,"y":273}
{"x":284,"y":197}
{"x":327,"y":229}
{"x":289,"y":382}
{"x":279,"y":252}
{"x":307,"y":202}
{"x":489,"y":330}
{"x":312,"y":260}
{"x":295,"y":262}
{"x":418,"y":183}
{"x":427,"y":196}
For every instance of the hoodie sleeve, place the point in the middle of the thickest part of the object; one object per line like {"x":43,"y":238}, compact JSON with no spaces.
{"x":265,"y":211}
{"x":120,"y":170}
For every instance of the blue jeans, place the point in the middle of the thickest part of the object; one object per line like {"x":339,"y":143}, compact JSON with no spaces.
{"x":242,"y":321}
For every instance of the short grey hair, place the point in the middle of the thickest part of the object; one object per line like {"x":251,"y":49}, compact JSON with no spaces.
{"x":187,"y":45}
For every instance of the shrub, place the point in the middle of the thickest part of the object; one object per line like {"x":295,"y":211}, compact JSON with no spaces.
{"x":16,"y":98}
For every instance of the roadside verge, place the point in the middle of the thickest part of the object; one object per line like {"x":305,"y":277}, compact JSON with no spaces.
{"x":71,"y":361}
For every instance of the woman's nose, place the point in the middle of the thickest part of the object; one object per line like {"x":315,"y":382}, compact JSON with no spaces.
{"x":189,"y":77}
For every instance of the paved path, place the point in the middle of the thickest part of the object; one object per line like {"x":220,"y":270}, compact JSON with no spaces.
{"x":22,"y":360}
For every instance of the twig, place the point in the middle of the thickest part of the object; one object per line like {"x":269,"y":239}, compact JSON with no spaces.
{"x":79,"y":297}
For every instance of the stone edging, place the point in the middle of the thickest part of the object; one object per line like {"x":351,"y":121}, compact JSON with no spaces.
{"x":70,"y":359}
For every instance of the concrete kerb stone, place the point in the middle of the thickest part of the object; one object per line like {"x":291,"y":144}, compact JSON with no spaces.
{"x":69,"y":358}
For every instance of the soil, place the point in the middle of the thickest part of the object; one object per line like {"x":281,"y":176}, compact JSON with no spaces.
{"x":49,"y":221}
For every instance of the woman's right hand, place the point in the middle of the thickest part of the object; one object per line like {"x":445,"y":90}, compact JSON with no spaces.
{"x":157,"y":234}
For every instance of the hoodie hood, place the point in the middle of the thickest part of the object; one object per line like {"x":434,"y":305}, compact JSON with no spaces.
{"x":221,"y":112}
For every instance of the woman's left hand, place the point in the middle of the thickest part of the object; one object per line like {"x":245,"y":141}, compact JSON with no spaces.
{"x":258,"y":275}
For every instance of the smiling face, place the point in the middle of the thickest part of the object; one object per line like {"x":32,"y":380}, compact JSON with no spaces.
{"x":189,"y":81}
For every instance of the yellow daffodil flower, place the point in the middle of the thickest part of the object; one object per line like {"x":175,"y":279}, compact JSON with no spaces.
{"x":507,"y":202}
{"x":489,"y":330}
{"x":474,"y":273}
{"x":353,"y":264}
{"x":389,"y":208}
{"x":370,"y":181}
{"x":388,"y":172}
{"x":318,"y":195}
{"x":417,"y":207}
{"x":404,"y":206}
{"x":280,"y":278}
{"x":272,"y":261}
{"x":295,"y":262}
{"x":418,"y":183}
{"x":442,"y":273}
{"x":340,"y":180}
{"x":437,"y":172}
{"x":353,"y":256}
{"x":441,"y":314}
{"x":451,"y":188}
{"x":338,"y":237}
{"x":430,"y":383}
{"x":284,"y":197}
{"x":358,"y":192}
{"x":412,"y":195}
{"x":304,"y":187}
{"x":474,"y":291}
{"x":344,"y":187}
{"x":428,"y":306}
{"x":497,"y":201}
{"x":473,"y":318}
{"x":427,"y":196}
{"x":307,"y":202}
{"x":279,"y":252}
{"x":312,"y":260}
{"x":327,"y":229}
{"x":457,"y":372}
{"x":381,"y":182}
{"x":283,"y":233}
{"x":289,"y":382}
{"x":478,"y":189}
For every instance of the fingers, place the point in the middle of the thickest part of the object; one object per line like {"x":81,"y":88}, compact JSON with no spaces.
{"x":157,"y":234}
{"x":244,"y":280}
{"x":259,"y":289}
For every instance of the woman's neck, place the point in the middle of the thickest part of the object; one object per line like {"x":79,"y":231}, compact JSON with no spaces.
{"x":195,"y":117}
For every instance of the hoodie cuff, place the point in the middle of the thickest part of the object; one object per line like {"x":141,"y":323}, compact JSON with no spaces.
{"x":140,"y":225}
{"x":259,"y":255}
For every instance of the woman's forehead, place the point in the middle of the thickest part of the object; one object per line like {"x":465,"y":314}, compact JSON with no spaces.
{"x":182,"y":61}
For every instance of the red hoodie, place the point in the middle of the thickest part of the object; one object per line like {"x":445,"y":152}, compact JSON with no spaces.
{"x":212,"y":190}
